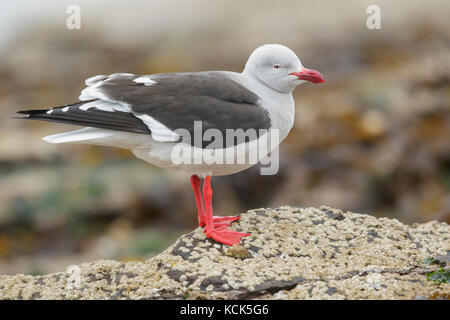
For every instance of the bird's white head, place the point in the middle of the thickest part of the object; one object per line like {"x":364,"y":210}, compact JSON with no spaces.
{"x":279,"y":68}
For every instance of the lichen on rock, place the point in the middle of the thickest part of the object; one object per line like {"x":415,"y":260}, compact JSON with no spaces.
{"x":292,"y":253}
{"x":238,"y":251}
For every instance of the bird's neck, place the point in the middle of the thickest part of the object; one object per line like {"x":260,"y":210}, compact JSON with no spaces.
{"x":280,"y":105}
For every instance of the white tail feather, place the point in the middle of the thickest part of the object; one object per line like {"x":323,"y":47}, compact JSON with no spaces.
{"x":102,"y":137}
{"x":81,"y":135}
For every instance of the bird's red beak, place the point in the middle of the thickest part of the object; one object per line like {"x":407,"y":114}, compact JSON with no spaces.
{"x":309,"y":75}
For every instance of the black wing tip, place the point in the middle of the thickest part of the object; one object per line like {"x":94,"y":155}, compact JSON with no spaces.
{"x":29,"y":114}
{"x":39,"y":111}
{"x":35,"y":111}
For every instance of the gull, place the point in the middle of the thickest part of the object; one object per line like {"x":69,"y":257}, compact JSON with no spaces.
{"x":162,"y":116}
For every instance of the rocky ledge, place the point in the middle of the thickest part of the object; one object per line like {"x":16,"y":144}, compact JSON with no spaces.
{"x":293,"y":253}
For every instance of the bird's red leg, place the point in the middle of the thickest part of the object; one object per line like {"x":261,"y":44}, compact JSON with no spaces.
{"x":196,"y":183}
{"x":220,"y":233}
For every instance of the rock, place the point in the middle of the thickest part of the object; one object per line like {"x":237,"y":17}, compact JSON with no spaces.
{"x":292,"y":253}
{"x":238,"y":251}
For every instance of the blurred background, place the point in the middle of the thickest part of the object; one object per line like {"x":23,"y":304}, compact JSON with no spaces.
{"x":374,"y":138}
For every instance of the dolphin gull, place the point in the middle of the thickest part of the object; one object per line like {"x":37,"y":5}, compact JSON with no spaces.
{"x":152,"y":115}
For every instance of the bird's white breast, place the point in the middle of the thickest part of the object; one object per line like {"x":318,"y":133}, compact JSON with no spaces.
{"x":279,"y":105}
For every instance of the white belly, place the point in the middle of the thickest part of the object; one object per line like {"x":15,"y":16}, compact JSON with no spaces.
{"x":176,"y":156}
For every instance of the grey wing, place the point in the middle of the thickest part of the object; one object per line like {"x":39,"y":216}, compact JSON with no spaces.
{"x":161,"y":104}
{"x":176,"y":100}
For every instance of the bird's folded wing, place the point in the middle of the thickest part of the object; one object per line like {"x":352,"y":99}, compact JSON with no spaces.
{"x":92,"y":113}
{"x":162,"y":103}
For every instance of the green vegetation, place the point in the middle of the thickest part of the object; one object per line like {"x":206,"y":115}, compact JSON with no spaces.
{"x":439,"y":276}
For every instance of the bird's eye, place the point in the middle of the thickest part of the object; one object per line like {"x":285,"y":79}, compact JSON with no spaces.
{"x":276,"y":66}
